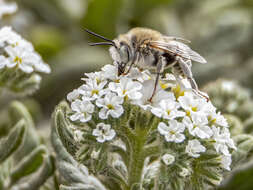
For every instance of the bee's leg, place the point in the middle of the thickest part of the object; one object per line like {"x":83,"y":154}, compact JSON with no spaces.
{"x":132,"y":63}
{"x":159,"y":71}
{"x":186,"y":68}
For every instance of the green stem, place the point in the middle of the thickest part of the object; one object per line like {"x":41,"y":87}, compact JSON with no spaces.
{"x":137,"y":158}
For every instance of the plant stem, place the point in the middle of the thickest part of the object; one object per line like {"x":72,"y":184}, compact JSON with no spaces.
{"x":137,"y":158}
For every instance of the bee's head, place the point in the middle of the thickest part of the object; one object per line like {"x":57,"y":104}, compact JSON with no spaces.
{"x":121,"y":54}
{"x":120,"y":51}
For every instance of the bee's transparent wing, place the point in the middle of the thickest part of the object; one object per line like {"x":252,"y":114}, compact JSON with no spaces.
{"x":178,"y":48}
{"x":169,"y":38}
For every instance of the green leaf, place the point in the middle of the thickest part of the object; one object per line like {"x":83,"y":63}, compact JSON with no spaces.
{"x":74,"y":174}
{"x":29,"y":164}
{"x":12,"y":142}
{"x":18,"y":111}
{"x":39,"y":178}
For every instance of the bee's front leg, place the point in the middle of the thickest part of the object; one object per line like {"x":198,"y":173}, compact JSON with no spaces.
{"x":159,"y":71}
{"x":186,"y":68}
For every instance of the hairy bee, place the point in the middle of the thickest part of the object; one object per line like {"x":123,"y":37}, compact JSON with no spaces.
{"x":149,"y":49}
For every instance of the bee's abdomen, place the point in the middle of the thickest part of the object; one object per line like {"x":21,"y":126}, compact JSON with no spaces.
{"x":170,"y":59}
{"x":177,"y":69}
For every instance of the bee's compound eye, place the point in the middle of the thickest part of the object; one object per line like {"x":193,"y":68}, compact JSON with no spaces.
{"x":124,"y":53}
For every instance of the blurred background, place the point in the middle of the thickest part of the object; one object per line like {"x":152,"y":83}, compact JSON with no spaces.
{"x":221,"y":31}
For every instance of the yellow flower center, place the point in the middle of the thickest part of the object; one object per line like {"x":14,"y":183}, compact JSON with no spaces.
{"x":98,"y":80}
{"x":17,"y":60}
{"x":211,"y":120}
{"x":163,"y":85}
{"x":177,"y":91}
{"x":124,"y":91}
{"x":194,"y":109}
{"x":172,"y":132}
{"x":168,"y":112}
{"x":94,"y":92}
{"x":188,"y":113}
{"x":110,"y":106}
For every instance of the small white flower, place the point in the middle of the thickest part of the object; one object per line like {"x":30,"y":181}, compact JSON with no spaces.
{"x":78,"y":135}
{"x":218,"y":119}
{"x":95,"y":154}
{"x":97,"y":76}
{"x":126,"y":88}
{"x":92,"y":90}
{"x":7,"y":35}
{"x":222,"y":140}
{"x":20,"y":58}
{"x":147,"y":91}
{"x":138,"y":75}
{"x":73,"y":95}
{"x":168,"y":109}
{"x":111,"y":105}
{"x":7,"y":8}
{"x":3,"y":61}
{"x":194,"y":147}
{"x":82,"y":110}
{"x":226,"y":162}
{"x":173,"y":132}
{"x":198,"y":126}
{"x":103,"y":132}
{"x":168,"y":159}
{"x":110,"y":72}
{"x":26,"y":60}
{"x":184,"y":172}
{"x":191,"y":105}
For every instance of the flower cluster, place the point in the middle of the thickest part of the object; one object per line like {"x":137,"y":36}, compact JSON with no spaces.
{"x":184,"y":117}
{"x":7,"y":8}
{"x":18,"y":53}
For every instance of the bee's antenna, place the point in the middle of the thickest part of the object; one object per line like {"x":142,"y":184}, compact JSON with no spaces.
{"x":101,"y":43}
{"x":99,"y":36}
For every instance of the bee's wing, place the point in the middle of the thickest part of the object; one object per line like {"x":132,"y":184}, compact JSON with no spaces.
{"x":178,"y":49}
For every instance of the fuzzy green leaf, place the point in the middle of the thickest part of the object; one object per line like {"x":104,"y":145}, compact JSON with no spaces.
{"x":39,"y":178}
{"x":12,"y":142}
{"x":29,"y":164}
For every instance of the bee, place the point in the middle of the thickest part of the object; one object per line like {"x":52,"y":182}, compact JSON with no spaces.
{"x":149,"y":49}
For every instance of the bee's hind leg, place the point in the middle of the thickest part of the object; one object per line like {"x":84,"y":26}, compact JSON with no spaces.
{"x":186,"y":68}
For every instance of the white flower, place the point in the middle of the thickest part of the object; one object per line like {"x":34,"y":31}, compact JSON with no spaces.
{"x":103,"y":132}
{"x":138,"y":75}
{"x":20,"y":58}
{"x":73,"y":95}
{"x":26,"y":60}
{"x":192,"y":105}
{"x":168,"y":159}
{"x":222,"y":140}
{"x":126,"y":88}
{"x":226,"y":162}
{"x":97,"y":76}
{"x":10,"y":37}
{"x":3,"y":61}
{"x":111,"y":105}
{"x":78,"y":135}
{"x":7,"y":8}
{"x":82,"y":110}
{"x":194,"y":147}
{"x":173,"y":132}
{"x":168,"y":109}
{"x":110,"y":72}
{"x":184,"y":172}
{"x":92,"y":90}
{"x":218,"y":119}
{"x":147,"y":91}
{"x":198,"y":126}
